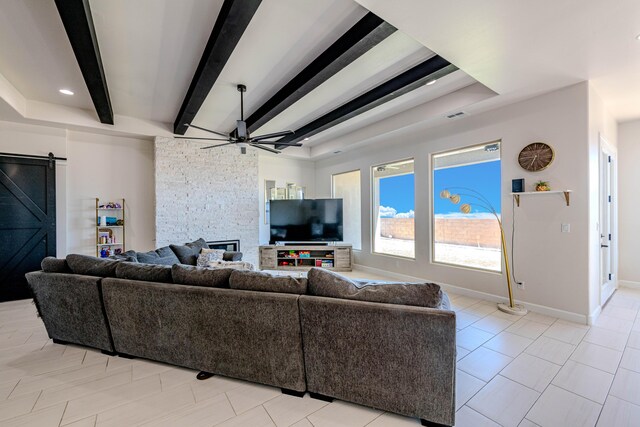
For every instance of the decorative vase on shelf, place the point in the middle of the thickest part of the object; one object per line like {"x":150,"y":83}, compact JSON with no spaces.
{"x":543,"y":186}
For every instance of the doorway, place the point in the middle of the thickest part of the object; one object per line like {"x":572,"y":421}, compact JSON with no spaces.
{"x":27,"y":221}
{"x":608,"y":209}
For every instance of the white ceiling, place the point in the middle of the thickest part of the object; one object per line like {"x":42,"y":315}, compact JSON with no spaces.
{"x":151,"y":48}
{"x":526,"y":48}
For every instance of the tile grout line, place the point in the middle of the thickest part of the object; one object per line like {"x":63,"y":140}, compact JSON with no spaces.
{"x":63,"y":412}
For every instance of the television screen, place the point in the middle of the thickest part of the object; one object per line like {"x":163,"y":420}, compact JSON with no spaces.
{"x":308,"y":220}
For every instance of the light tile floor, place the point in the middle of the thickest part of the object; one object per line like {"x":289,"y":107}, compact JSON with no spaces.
{"x":530,"y":371}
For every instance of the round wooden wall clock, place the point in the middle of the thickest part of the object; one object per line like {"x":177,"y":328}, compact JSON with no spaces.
{"x":536,"y":157}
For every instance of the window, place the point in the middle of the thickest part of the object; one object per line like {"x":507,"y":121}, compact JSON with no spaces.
{"x":467,"y":239}
{"x":346,"y":186}
{"x":393,"y":209}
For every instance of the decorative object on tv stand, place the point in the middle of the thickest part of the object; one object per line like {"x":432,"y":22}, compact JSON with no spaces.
{"x":543,"y":186}
{"x":482,"y":203}
{"x":110,"y":227}
{"x":536,"y":157}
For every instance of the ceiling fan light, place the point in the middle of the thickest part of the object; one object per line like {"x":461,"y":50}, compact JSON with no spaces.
{"x":431,"y":82}
{"x":66,"y":92}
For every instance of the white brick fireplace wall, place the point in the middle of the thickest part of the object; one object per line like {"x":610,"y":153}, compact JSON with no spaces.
{"x":206,"y":193}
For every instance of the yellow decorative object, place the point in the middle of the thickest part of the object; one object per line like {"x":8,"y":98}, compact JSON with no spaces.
{"x":444,"y":194}
{"x":465,"y":208}
{"x":543,"y":186}
{"x":455,"y":198}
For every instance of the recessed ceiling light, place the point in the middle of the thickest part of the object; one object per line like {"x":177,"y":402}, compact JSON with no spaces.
{"x":430,"y":82}
{"x":306,"y":139}
{"x":66,"y":92}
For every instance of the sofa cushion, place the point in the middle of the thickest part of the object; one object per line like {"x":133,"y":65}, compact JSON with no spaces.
{"x":130,"y":256}
{"x":188,"y":253}
{"x":162,"y":256}
{"x":326,"y":283}
{"x":232,"y":256}
{"x":207,"y":255}
{"x":92,"y":266}
{"x":197,"y":276}
{"x":54,"y":265}
{"x":259,"y":281}
{"x":145,"y":272}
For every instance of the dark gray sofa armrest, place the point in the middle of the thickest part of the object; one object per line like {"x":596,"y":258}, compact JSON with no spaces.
{"x":232,"y":256}
{"x":71,"y":308}
{"x":393,"y":357}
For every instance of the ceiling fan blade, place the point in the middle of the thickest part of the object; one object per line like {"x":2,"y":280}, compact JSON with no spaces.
{"x":209,"y":130}
{"x":265,"y":148}
{"x":272,"y":135}
{"x":219,"y":145}
{"x":281,"y":144}
{"x":206,"y":139}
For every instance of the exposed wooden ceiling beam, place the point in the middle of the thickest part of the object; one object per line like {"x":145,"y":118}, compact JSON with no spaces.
{"x":432,"y":68}
{"x":78,"y":23}
{"x":232,"y":21}
{"x":365,"y":34}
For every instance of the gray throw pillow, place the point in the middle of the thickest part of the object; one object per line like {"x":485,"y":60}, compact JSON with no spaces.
{"x":265,"y":282}
{"x":188,"y":253}
{"x":145,"y":272}
{"x":92,"y":266}
{"x":326,"y":283}
{"x":232,"y":256}
{"x":197,"y":276}
{"x":162,"y":256}
{"x":54,"y":265}
{"x":130,"y":256}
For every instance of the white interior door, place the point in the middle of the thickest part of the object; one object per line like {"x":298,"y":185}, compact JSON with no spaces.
{"x":607,"y":218}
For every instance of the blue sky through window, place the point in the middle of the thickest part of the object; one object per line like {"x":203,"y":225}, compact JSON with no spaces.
{"x":481,"y":177}
{"x":398,"y":192}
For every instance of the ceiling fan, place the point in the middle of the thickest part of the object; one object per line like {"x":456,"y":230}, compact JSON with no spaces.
{"x":241,"y":137}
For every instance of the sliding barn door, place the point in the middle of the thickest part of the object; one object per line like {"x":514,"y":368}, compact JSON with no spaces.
{"x":27,"y":221}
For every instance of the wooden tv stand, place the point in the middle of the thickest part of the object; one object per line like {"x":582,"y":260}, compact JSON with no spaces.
{"x":286,"y":257}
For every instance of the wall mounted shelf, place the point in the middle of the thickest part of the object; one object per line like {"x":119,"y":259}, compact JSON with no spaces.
{"x":531,"y":193}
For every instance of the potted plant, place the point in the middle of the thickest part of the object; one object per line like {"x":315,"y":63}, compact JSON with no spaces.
{"x":542,"y":186}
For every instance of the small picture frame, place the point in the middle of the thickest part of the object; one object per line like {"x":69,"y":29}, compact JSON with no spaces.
{"x":517,"y":185}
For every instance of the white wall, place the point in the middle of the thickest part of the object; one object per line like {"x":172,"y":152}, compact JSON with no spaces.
{"x":96,"y":166}
{"x":628,"y":201}
{"x":282,"y":170}
{"x":602,"y":127}
{"x":18,"y":138}
{"x":553,"y":265}
{"x":110,"y":168}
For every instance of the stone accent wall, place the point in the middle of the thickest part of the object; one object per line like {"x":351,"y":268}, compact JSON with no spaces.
{"x":211,"y":194}
{"x":397,"y":228}
{"x":483,"y":233}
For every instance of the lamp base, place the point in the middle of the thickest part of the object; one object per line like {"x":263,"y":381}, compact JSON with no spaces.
{"x":516,"y":310}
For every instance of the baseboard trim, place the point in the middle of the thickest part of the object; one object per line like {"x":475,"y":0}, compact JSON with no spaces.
{"x":541,"y":309}
{"x":594,"y":315}
{"x":628,"y":284}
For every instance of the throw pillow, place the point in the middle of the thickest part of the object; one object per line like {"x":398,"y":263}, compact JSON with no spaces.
{"x":92,"y":266}
{"x":162,"y":256}
{"x":265,"y":282}
{"x":236,"y":265}
{"x":188,"y":253}
{"x":145,"y":272}
{"x":207,"y":255}
{"x":326,"y":283}
{"x":197,"y":276}
{"x":54,"y":265}
{"x":232,"y":256}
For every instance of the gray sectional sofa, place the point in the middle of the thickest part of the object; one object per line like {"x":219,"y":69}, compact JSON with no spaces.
{"x":388,"y":346}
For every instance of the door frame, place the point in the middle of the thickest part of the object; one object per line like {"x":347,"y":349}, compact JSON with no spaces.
{"x":606,"y":150}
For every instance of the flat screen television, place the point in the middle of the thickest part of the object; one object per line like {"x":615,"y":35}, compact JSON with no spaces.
{"x":309,"y":220}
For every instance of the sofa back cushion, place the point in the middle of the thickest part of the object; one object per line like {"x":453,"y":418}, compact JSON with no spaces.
{"x":197,"y":276}
{"x":188,"y":253}
{"x":54,"y":265}
{"x":265,"y":282}
{"x":92,"y":266}
{"x":326,"y":283}
{"x":145,"y":272}
{"x":130,"y":256}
